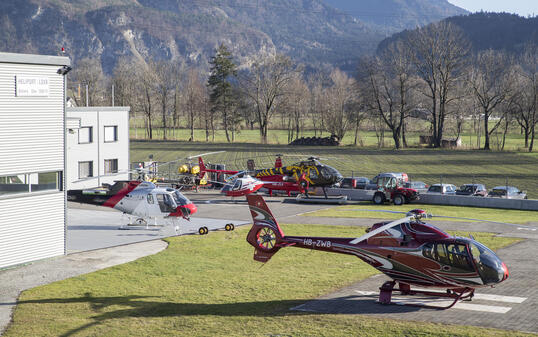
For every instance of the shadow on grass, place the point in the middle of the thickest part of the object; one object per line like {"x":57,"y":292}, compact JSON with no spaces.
{"x":141,"y":306}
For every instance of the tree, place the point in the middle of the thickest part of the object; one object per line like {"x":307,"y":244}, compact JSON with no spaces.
{"x":194,"y":100}
{"x":341,"y":99}
{"x":527,"y":75}
{"x":166,"y":76}
{"x":219,"y":82}
{"x":88,"y":72}
{"x":387,"y":87}
{"x":489,"y":82}
{"x":145,"y":78}
{"x":439,"y":51}
{"x":296,"y":106}
{"x":266,"y":85}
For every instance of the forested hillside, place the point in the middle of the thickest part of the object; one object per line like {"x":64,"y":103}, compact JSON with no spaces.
{"x":497,"y":31}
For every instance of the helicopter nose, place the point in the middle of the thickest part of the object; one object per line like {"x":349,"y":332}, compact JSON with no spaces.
{"x":188,"y":209}
{"x":506,"y":273}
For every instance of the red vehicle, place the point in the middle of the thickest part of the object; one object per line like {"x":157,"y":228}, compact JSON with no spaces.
{"x":390,"y":188}
{"x":408,"y":251}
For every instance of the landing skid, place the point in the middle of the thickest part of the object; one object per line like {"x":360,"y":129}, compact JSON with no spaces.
{"x":385,"y":295}
{"x":340,"y":200}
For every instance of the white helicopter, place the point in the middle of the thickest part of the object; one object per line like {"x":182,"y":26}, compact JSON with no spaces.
{"x":141,"y":199}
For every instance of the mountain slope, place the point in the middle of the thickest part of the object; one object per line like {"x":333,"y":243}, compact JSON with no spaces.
{"x":310,"y":31}
{"x":395,"y":15}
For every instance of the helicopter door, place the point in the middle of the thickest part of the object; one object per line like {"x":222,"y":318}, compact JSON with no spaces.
{"x":166,"y":204}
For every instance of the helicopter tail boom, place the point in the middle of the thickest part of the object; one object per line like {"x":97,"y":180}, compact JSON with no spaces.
{"x":265,"y":235}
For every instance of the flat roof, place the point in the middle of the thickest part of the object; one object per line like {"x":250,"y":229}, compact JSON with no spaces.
{"x":35,"y":59}
{"x":97,"y":108}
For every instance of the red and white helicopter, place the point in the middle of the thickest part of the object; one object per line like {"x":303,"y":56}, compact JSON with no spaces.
{"x":241,"y":184}
{"x":408,"y":250}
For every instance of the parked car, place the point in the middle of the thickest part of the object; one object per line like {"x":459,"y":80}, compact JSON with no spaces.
{"x":348,"y":183}
{"x":362,"y":182}
{"x":476,"y":190}
{"x":420,"y":186}
{"x":448,"y":189}
{"x":508,"y":192}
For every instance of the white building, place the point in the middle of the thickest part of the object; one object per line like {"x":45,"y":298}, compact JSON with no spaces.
{"x":98,"y":150}
{"x":32,"y":165}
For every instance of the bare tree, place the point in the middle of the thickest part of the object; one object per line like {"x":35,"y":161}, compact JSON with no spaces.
{"x":266,"y":85}
{"x":526,"y":101}
{"x":315,"y":104}
{"x":439,"y":52}
{"x":296,"y":106}
{"x":88,"y":72}
{"x":489,"y":82}
{"x":387,"y":88}
{"x":194,"y":100}
{"x":145,"y":78}
{"x":341,"y":98}
{"x":166,"y":77}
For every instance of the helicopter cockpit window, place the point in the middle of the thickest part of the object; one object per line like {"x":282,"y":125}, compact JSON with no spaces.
{"x":449,"y":254}
{"x":237,"y":185}
{"x":150,"y":199}
{"x":488,"y":264}
{"x":166,"y":203}
{"x":180,"y":198}
{"x":325,"y":173}
{"x":313,"y":174}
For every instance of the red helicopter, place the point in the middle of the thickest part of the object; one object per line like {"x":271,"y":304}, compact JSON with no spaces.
{"x":294,"y":178}
{"x":408,"y":250}
{"x":241,"y":184}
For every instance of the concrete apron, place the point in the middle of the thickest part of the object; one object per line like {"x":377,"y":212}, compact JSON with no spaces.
{"x":16,"y":280}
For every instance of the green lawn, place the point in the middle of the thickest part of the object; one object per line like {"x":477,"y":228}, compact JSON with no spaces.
{"x":374,"y":211}
{"x":514,"y":141}
{"x":210,"y":286}
{"x":429,"y":165}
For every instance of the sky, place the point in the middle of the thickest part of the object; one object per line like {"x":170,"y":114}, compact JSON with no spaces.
{"x":521,"y":7}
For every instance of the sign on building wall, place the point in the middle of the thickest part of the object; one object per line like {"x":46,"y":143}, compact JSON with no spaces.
{"x":32,"y":86}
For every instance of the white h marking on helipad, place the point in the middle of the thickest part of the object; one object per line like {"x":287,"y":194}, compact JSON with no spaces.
{"x":421,"y":300}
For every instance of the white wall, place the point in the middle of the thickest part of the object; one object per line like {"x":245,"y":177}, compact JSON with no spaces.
{"x":31,"y":141}
{"x":98,"y":150}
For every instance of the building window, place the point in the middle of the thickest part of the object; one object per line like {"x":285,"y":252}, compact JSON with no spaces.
{"x":85,"y":169}
{"x":111,"y":166}
{"x":30,"y":182}
{"x":111,"y":134}
{"x":85,"y":135}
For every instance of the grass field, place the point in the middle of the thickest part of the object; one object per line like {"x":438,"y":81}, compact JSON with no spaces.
{"x":514,"y":141}
{"x":458,"y":167}
{"x":373,"y":211}
{"x":210,"y":286}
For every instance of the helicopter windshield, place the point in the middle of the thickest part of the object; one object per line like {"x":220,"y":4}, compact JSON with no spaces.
{"x":488,"y":264}
{"x":180,"y":199}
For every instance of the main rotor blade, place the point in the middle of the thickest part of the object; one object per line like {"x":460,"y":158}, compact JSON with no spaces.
{"x":371,"y":210}
{"x":204,"y":154}
{"x":482,"y":220}
{"x":382,"y":229}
